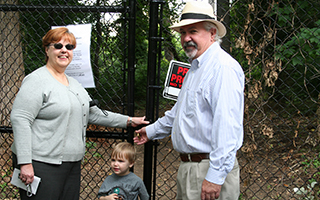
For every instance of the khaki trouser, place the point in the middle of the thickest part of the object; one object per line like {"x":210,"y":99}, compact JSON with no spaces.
{"x":191,"y":175}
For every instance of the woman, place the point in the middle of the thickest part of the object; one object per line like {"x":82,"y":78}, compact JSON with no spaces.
{"x":49,"y":120}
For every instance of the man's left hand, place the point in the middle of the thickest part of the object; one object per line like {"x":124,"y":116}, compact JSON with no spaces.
{"x":210,"y":191}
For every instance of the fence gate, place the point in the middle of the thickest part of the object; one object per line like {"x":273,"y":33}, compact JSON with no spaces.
{"x":277,"y":44}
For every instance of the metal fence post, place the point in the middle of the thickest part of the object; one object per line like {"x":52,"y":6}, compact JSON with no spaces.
{"x":152,"y":60}
{"x":131,"y":63}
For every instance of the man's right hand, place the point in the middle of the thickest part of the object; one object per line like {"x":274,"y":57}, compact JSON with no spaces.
{"x":210,"y":190}
{"x":141,"y":137}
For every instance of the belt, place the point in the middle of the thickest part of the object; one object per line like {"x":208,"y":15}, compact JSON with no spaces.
{"x":196,"y":157}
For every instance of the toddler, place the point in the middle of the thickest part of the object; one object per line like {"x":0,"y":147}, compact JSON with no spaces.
{"x":123,"y":184}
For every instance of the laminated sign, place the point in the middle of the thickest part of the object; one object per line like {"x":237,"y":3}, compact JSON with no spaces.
{"x":80,"y":66}
{"x":175,"y":76}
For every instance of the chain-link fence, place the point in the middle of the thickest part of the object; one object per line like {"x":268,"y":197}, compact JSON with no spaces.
{"x":23,"y":24}
{"x":276,"y":42}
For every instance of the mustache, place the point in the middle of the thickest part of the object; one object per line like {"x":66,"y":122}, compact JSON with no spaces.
{"x":190,"y":44}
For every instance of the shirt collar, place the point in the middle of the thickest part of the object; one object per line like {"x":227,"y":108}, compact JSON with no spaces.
{"x":206,"y":55}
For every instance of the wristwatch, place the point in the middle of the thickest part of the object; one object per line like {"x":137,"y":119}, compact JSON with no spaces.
{"x":130,"y":121}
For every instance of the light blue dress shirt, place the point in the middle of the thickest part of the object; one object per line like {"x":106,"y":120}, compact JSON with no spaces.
{"x":208,"y":116}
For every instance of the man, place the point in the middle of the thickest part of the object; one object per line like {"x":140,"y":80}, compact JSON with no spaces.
{"x":206,"y":123}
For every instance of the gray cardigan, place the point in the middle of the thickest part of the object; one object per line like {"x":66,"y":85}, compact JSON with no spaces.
{"x":49,"y":119}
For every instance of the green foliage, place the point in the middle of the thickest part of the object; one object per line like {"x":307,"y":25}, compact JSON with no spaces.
{"x":301,"y":57}
{"x":307,"y":192}
{"x":311,"y":163}
{"x":34,"y":26}
{"x":303,"y":49}
{"x":6,"y":174}
{"x":279,"y":42}
{"x":311,"y":190}
{"x":91,"y":148}
{"x":91,"y":145}
{"x":299,"y":52}
{"x":3,"y":185}
{"x":142,"y":33}
{"x":171,"y":47}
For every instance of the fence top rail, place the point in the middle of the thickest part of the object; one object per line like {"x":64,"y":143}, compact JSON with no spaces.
{"x":110,"y":9}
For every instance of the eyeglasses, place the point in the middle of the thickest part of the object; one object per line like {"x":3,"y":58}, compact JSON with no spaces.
{"x":60,"y":46}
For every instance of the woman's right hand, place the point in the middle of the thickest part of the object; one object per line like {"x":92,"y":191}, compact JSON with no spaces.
{"x":26,"y":173}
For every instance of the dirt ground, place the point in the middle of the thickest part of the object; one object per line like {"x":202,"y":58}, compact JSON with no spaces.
{"x":265,"y":174}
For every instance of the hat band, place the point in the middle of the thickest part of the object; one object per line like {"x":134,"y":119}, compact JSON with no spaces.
{"x":195,"y":16}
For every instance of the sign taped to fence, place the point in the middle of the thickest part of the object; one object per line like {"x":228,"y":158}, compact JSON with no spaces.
{"x":175,"y":76}
{"x":80,"y":66}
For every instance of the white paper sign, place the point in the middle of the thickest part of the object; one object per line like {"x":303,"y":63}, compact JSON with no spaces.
{"x":15,"y":180}
{"x":80,"y":66}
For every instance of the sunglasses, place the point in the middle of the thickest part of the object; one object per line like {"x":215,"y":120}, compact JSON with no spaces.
{"x":59,"y":46}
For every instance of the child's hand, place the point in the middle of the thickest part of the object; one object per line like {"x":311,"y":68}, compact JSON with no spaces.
{"x":110,"y":197}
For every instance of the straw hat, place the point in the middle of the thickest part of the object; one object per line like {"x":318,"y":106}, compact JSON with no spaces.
{"x":198,"y":11}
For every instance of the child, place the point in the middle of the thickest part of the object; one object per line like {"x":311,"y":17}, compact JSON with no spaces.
{"x":123,"y":184}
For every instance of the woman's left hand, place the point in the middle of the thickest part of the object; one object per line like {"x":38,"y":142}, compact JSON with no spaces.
{"x":136,"y":121}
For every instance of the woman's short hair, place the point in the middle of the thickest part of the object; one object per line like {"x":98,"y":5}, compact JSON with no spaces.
{"x":124,"y":150}
{"x":208,"y":26}
{"x":55,"y":35}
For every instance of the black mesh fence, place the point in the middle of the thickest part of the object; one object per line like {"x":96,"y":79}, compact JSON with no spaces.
{"x":23,"y":24}
{"x":276,"y":42}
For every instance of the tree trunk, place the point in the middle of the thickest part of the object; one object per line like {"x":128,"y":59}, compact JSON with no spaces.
{"x":11,"y":61}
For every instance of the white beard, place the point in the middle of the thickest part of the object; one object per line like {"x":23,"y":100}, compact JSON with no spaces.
{"x":191,"y":54}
